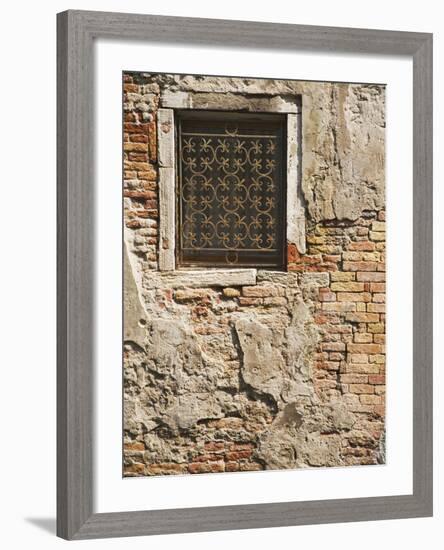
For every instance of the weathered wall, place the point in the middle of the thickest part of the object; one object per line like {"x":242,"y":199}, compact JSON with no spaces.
{"x":288,"y":372}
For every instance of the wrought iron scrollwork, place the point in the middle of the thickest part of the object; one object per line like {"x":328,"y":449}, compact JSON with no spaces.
{"x":230,"y":192}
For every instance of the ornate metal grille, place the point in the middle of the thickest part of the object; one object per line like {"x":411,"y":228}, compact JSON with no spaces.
{"x":230,"y":190}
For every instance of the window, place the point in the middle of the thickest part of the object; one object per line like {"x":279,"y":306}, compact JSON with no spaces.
{"x":230,"y":189}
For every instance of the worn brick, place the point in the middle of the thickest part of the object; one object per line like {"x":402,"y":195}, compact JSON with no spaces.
{"x":371,"y":399}
{"x":377,"y":235}
{"x":378,"y":358}
{"x":347,"y":287}
{"x":232,"y":466}
{"x":325,"y":295}
{"x":336,"y":356}
{"x":363,"y":338}
{"x":362,"y":317}
{"x":165,"y":468}
{"x":370,"y":277}
{"x":362,"y":368}
{"x":261,"y":291}
{"x":365,"y":348}
{"x":366,"y":246}
{"x":250,"y":301}
{"x":275,"y":301}
{"x":288,"y":317}
{"x":333,"y":346}
{"x":341,"y":276}
{"x":354,"y":378}
{"x":361,"y":388}
{"x":292,"y":253}
{"x":136,"y":468}
{"x":190,"y":295}
{"x":138,"y":147}
{"x":359,"y":266}
{"x":354,"y":296}
{"x":134,"y":446}
{"x":376,"y":379}
{"x":376,"y":308}
{"x":206,"y":467}
{"x":378,"y":226}
{"x":231,"y":292}
{"x":376,"y":328}
{"x":361,"y":256}
{"x":328,"y":365}
{"x":342,"y":307}
{"x":358,"y":357}
{"x":377,"y":287}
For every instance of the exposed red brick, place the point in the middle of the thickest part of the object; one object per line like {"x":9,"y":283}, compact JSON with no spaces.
{"x":261,"y":291}
{"x":376,"y":379}
{"x":138,"y":138}
{"x":347,"y":286}
{"x":292,"y":253}
{"x":136,"y":468}
{"x":130,"y":88}
{"x":165,"y":468}
{"x":359,"y":266}
{"x":237,"y":455}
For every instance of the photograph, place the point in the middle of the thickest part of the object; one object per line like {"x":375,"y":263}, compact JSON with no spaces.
{"x":254,"y":240}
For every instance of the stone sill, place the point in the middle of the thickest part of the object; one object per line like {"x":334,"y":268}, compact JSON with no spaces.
{"x":208,"y":277}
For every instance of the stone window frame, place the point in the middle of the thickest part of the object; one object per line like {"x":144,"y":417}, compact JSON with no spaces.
{"x":289,"y":105}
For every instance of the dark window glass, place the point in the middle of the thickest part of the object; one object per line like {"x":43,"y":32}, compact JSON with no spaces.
{"x":231,"y":196}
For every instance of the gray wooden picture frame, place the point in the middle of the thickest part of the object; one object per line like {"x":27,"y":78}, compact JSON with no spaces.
{"x":76,"y":32}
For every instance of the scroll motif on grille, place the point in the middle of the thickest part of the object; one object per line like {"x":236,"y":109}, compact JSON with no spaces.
{"x":230,"y":196}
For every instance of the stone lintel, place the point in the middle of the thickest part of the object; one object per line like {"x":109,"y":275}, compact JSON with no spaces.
{"x":208,"y":278}
{"x":218,"y":101}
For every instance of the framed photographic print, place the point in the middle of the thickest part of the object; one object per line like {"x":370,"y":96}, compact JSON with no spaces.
{"x":244,"y":273}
